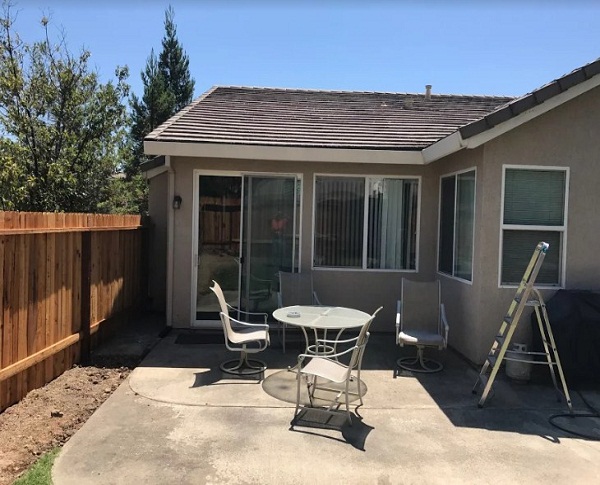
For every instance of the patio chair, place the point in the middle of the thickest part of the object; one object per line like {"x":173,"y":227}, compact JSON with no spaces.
{"x":421,"y":321}
{"x":295,"y":289}
{"x":261,"y":291}
{"x":332,"y":370}
{"x":243,"y":337}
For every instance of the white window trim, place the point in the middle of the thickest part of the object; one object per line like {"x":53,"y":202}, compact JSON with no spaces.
{"x":562,"y":229}
{"x":439,"y":239}
{"x":418,"y":178}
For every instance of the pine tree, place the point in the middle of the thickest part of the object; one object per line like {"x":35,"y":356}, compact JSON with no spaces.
{"x":155,"y":107}
{"x":168,"y":87}
{"x":174,"y":64}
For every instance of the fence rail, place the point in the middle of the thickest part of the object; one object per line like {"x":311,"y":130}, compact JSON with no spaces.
{"x":66,"y":279}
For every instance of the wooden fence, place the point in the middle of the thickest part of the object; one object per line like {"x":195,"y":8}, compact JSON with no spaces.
{"x":65,"y":279}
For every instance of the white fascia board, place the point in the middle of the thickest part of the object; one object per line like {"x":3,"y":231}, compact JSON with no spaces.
{"x":446,"y":146}
{"x":294,"y":154}
{"x":540,"y":109}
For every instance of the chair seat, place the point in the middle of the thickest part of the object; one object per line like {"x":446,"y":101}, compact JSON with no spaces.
{"x":421,"y":337}
{"x":246,"y":335}
{"x":326,"y":368}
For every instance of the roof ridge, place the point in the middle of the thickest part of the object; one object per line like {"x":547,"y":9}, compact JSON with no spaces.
{"x":343,"y":91}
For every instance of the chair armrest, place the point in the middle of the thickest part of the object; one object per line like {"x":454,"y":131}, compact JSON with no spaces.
{"x":445,"y":326}
{"x":248,"y":324}
{"x":264,"y":315}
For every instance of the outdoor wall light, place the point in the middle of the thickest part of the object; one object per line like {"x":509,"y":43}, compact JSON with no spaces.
{"x":177,"y":202}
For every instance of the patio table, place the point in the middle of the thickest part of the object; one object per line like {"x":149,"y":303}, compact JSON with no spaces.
{"x":320,"y":319}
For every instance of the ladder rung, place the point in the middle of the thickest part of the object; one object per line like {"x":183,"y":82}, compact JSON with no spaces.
{"x":533,"y":303}
{"x":500,"y":339}
{"x":508,"y":319}
{"x":492,"y":359}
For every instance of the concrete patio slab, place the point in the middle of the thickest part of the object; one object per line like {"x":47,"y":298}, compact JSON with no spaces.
{"x":179,"y":420}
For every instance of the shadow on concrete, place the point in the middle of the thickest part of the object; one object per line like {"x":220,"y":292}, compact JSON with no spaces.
{"x":511,"y":407}
{"x":321,"y":422}
{"x":215,"y":376}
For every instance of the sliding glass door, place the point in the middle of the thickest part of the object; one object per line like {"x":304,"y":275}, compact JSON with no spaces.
{"x":248,"y":231}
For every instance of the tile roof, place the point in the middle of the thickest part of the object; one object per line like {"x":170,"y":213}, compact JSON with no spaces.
{"x":324,"y":119}
{"x":529,"y":100}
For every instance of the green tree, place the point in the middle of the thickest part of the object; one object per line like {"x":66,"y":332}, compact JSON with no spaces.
{"x":155,"y":107}
{"x":174,"y":65}
{"x":61,"y":128}
{"x":168,"y":87}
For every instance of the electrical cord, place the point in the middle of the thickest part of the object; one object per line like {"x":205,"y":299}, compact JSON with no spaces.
{"x":594,"y":413}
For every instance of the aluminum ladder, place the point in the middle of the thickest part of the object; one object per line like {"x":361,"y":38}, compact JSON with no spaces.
{"x":526,"y":295}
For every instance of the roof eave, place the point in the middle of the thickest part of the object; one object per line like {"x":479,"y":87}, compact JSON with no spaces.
{"x":528,"y":115}
{"x":481,"y":131}
{"x":283,"y":153}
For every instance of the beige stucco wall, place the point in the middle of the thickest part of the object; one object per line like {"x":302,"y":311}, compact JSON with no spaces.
{"x":359,"y":289}
{"x":568,"y":136}
{"x":461,"y":298}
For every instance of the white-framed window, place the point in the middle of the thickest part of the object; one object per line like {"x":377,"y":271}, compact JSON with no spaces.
{"x":457,"y":217}
{"x":365,"y":222}
{"x":534,"y":209}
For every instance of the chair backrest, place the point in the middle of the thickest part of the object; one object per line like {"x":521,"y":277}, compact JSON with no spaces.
{"x":295,"y":289}
{"x":421,"y":302}
{"x":216,"y":289}
{"x":361,"y":342}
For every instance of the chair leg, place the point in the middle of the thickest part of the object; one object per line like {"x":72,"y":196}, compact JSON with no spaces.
{"x":243,"y":366}
{"x":311,"y":387}
{"x":419,"y":363}
{"x":358,"y":388}
{"x":298,"y":379}
{"x":348,"y":401}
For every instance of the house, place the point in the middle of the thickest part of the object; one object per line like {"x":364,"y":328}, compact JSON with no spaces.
{"x":365,"y":188}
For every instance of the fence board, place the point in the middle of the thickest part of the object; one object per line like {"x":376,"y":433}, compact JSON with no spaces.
{"x":50,"y":303}
{"x":41,"y":290}
{"x":2,"y":282}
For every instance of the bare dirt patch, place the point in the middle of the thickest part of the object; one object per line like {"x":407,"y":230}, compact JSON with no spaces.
{"x":49,"y":416}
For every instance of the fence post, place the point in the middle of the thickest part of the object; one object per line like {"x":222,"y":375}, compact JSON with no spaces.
{"x":86,"y":284}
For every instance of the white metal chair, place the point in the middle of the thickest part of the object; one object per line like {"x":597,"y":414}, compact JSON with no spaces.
{"x":295,"y":289}
{"x":246,"y":338}
{"x":332,"y":370}
{"x":421,"y":321}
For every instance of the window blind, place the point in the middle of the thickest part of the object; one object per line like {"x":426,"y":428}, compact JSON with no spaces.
{"x":534,"y":197}
{"x":517,"y":248}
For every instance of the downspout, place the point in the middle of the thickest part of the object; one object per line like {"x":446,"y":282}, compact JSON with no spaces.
{"x":170,"y":238}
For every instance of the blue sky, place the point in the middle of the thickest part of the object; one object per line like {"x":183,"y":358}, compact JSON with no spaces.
{"x":460,"y":47}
